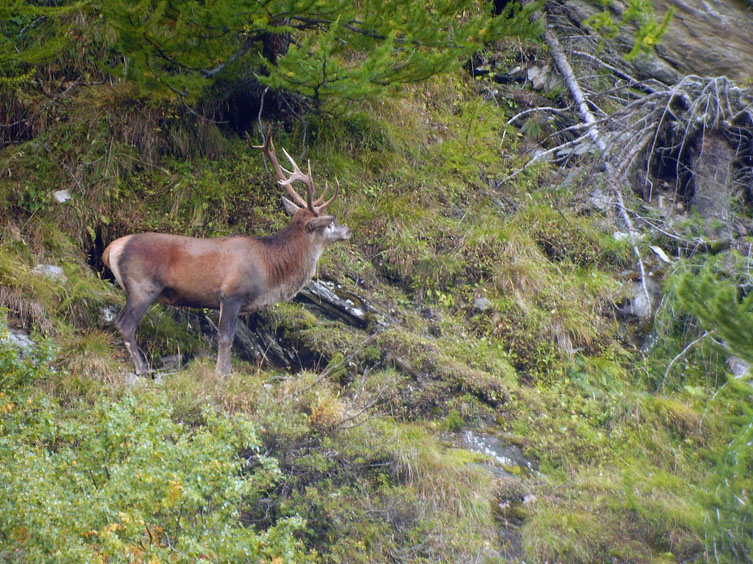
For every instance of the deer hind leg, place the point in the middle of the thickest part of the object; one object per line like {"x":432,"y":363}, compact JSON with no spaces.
{"x":229,"y":309}
{"x":137,"y":303}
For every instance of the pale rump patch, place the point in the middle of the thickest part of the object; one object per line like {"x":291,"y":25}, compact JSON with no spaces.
{"x":116,"y":249}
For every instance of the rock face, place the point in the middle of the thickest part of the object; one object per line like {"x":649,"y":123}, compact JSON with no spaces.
{"x":705,"y":37}
{"x":708,"y":38}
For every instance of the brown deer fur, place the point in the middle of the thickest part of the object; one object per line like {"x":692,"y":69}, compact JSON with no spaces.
{"x":237,"y":275}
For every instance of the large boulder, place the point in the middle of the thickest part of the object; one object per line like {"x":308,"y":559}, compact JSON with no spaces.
{"x":705,"y":37}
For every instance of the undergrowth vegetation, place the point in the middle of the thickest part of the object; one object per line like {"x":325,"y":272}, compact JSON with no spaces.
{"x":495,"y":312}
{"x":120,"y":480}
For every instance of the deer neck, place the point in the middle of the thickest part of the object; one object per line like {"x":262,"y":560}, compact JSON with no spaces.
{"x":291,"y":262}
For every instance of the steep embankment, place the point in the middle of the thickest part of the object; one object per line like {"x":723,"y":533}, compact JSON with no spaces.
{"x":490,"y":403}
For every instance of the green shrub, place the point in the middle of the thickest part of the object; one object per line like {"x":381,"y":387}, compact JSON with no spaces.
{"x":124,"y":482}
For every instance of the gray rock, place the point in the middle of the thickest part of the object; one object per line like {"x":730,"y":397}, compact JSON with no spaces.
{"x":544,"y":77}
{"x":62,"y":196}
{"x":108,"y":315}
{"x":705,"y":37}
{"x":624,"y":236}
{"x":482,"y":304}
{"x":50,"y":271}
{"x":132,"y":379}
{"x":171,"y":363}
{"x":510,"y":459}
{"x":739,"y":367}
{"x":639,"y":305}
{"x":19,"y":339}
{"x":600,"y":200}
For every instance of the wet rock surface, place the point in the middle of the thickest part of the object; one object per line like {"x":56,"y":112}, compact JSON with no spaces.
{"x":50,"y":271}
{"x":510,"y":460}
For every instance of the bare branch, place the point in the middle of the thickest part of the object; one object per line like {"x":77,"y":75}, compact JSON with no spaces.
{"x":577,"y":93}
{"x":250,"y":40}
{"x":690,"y":345}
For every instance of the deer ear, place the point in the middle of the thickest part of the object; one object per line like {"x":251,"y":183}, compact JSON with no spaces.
{"x":319,"y":222}
{"x":289,"y":206}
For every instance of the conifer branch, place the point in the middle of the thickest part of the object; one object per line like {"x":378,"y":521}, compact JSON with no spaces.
{"x":250,"y":40}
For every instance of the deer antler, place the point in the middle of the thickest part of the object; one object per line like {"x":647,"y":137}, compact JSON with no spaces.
{"x":305,"y":178}
{"x":318,"y":205}
{"x":268,"y":148}
{"x":286,"y":178}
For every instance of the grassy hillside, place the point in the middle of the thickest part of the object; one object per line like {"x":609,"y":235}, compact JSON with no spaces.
{"x":359,"y":452}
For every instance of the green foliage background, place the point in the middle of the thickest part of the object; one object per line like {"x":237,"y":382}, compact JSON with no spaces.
{"x":355,"y":453}
{"x":339,"y":50}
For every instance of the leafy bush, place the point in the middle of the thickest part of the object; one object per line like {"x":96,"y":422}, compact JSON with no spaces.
{"x":121,"y":481}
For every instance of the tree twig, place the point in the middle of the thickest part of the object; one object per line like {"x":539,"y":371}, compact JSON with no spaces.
{"x":538,"y":109}
{"x":682,"y":353}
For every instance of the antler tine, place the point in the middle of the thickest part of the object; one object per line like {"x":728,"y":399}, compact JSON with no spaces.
{"x":310,"y":189}
{"x":267,"y":140}
{"x":268,"y":148}
{"x":292,"y":193}
{"x":318,"y":205}
{"x":305,"y":178}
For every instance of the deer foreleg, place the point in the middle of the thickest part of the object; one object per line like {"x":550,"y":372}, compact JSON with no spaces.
{"x":229,"y":309}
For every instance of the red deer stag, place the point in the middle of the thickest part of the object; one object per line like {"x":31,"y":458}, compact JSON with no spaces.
{"x":237,"y":275}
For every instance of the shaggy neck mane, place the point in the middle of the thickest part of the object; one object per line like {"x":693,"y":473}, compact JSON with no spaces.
{"x":285,"y":251}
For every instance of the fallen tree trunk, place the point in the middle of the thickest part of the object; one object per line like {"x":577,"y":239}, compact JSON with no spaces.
{"x":613,"y":176}
{"x":321,"y":295}
{"x":254,"y":342}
